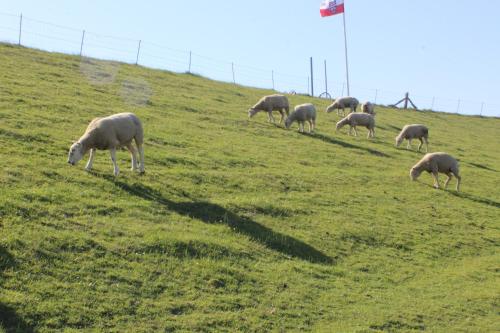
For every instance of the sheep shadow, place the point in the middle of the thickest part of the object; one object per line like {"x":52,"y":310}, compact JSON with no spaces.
{"x":10,"y":321}
{"x":464,"y":195}
{"x":474,"y":198}
{"x":481,"y":166}
{"x":344,"y":144}
{"x":215,"y":214}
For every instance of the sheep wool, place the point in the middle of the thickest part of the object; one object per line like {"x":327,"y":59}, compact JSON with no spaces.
{"x":358,"y":119}
{"x":436,"y":163}
{"x":110,"y":133}
{"x":301,"y":114}
{"x":414,"y":131}
{"x":269,"y":104}
{"x":368,"y":107}
{"x":341,"y":103}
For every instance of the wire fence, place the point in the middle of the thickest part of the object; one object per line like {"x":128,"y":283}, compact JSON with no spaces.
{"x":30,"y":32}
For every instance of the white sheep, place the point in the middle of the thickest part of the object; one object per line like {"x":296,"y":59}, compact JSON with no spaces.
{"x":358,"y":119}
{"x":269,"y":104}
{"x":341,"y":103}
{"x":111,"y":132}
{"x":301,"y":114}
{"x":368,"y":107}
{"x":437,"y":163}
{"x":414,"y":131}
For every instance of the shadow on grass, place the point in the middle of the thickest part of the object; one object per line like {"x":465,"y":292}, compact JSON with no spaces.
{"x":344,"y":144}
{"x":481,"y":166}
{"x":10,"y":321}
{"x":475,"y":199}
{"x":215,"y":214}
{"x":464,"y":195}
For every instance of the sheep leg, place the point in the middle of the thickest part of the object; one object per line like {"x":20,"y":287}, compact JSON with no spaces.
{"x":141,"y":158}
{"x":436,"y":179}
{"x":282,"y":116}
{"x":408,"y":146}
{"x":426,"y":145}
{"x":450,"y":175}
{"x":355,"y":131}
{"x":301,"y":126}
{"x":133,"y":155}
{"x":112,"y":152}
{"x":421,"y":143}
{"x":459,"y":179}
{"x":455,"y":173}
{"x":350,"y":130}
{"x":88,"y":167}
{"x":313,"y":121}
{"x":310,"y":125}
{"x":270,"y":116}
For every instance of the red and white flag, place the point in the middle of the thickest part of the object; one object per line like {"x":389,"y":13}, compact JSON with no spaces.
{"x":331,"y":7}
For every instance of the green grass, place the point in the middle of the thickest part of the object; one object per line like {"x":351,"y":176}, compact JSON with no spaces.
{"x":237,"y":225}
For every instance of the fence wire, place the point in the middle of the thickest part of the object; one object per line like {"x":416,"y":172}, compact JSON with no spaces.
{"x":35,"y":33}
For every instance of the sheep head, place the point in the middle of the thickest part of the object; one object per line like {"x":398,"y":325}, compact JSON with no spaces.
{"x":75,"y":153}
{"x":252,"y":112}
{"x":414,"y":173}
{"x":288,"y":122}
{"x":399,"y":140}
{"x":341,"y":124}
{"x":332,"y":107}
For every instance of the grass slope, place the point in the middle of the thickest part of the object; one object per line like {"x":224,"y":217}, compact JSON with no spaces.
{"x":237,"y":225}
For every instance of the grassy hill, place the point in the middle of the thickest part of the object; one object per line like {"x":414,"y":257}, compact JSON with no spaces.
{"x":237,"y":225}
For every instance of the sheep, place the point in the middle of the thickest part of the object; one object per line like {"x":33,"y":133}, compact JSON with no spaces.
{"x":269,"y":104}
{"x":414,"y":131}
{"x":111,"y":132}
{"x":368,"y":107}
{"x":342,"y":103}
{"x":301,"y":114}
{"x":435,"y":163}
{"x":355,"y":119}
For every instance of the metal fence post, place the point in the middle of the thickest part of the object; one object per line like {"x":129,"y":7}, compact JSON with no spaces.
{"x":138,"y":50}
{"x":312,"y":76}
{"x":81,"y":45}
{"x":376,"y":95}
{"x":232,"y":68}
{"x":189,"y":69}
{"x":308,"y":85}
{"x":432,"y":105}
{"x":482,"y":106}
{"x":458,"y":106}
{"x":20,"y":27}
{"x":326,"y":80}
{"x":272,"y":78}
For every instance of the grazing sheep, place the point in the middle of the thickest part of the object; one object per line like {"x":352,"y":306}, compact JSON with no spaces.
{"x":301,"y":114}
{"x":368,"y":107}
{"x":435,"y":163}
{"x":415,"y":131}
{"x":358,"y":119}
{"x":269,"y":104}
{"x":342,"y":103}
{"x":111,"y":132}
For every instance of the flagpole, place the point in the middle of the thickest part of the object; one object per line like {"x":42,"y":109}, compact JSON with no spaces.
{"x":346,"y":61}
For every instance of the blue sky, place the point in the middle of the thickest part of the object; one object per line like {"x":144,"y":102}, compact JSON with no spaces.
{"x":445,"y":49}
